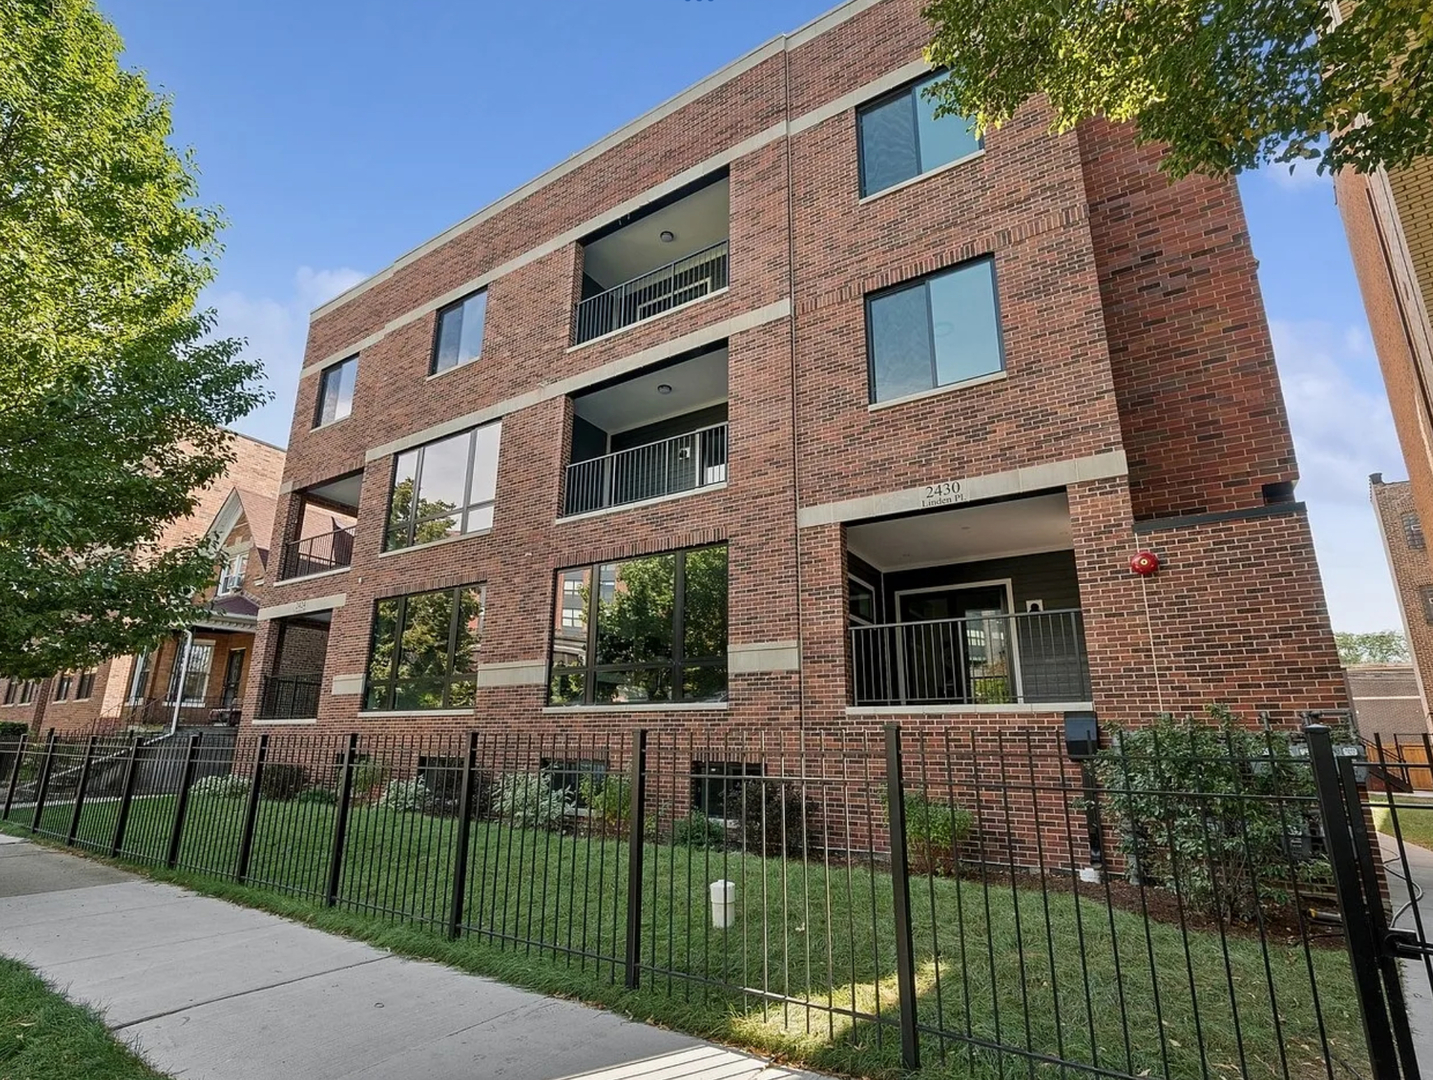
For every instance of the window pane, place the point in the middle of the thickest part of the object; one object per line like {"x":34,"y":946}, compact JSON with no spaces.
{"x":343,"y":394}
{"x":706,"y":683}
{"x":327,"y":400}
{"x":888,"y":145}
{"x":470,"y":338}
{"x":423,"y":645}
{"x":486,"y":442}
{"x":462,"y":694}
{"x":967,"y":331}
{"x":901,"y":351}
{"x":569,"y":682}
{"x":632,"y":687}
{"x":570,"y":634}
{"x":400,"y":505}
{"x":636,"y":618}
{"x":704,"y":614}
{"x":380,"y":654}
{"x":941,"y":141}
{"x":450,"y":328}
{"x":862,"y":602}
{"x":440,"y":488}
{"x":470,"y":630}
{"x":196,"y":677}
{"x":418,"y":694}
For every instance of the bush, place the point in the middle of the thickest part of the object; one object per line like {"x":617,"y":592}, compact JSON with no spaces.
{"x":10,"y":731}
{"x":775,"y":820}
{"x":227,"y":786}
{"x":368,"y":776}
{"x":528,"y":800}
{"x":608,"y":801}
{"x":934,"y":830}
{"x":282,"y":781}
{"x":1204,"y":808}
{"x":318,"y":795}
{"x":406,"y":796}
{"x":444,"y":779}
{"x":699,"y":832}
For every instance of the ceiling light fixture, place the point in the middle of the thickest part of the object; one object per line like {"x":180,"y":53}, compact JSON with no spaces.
{"x":667,"y":236}
{"x":664,"y":388}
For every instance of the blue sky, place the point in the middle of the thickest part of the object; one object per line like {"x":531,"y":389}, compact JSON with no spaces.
{"x":336,"y":136}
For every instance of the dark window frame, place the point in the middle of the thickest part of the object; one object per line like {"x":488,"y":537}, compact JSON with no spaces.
{"x":923,"y":281}
{"x":85,"y":685}
{"x":457,"y":305}
{"x":676,"y":664}
{"x":722,"y":774}
{"x":907,"y":90}
{"x":28,"y":690}
{"x":63,"y":685}
{"x":1413,"y":532}
{"x":323,"y":377}
{"x":449,"y":677}
{"x":11,"y":689}
{"x":462,"y":512}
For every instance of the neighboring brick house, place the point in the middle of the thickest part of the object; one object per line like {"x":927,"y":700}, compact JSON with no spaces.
{"x":789,"y":409}
{"x":134,"y":690}
{"x":1406,"y":547}
{"x":1387,"y":703}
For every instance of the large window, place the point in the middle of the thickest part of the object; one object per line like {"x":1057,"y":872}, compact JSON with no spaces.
{"x":28,"y":690}
{"x":424,"y":653}
{"x":460,"y":332}
{"x":335,"y":392}
{"x":85,"y":686}
{"x":63,"y":685}
{"x":721,"y":788}
{"x":651,"y":629}
{"x":196,"y":673}
{"x":139,"y":678}
{"x":938,"y":330}
{"x":11,"y":688}
{"x":444,"y":489}
{"x":901,"y":138}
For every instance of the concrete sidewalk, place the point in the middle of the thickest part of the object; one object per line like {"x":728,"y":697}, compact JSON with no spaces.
{"x":208,"y":990}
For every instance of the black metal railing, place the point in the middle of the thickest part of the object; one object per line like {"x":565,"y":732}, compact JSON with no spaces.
{"x":1030,"y":657}
{"x":682,"y":463}
{"x":974,"y":900}
{"x":317,"y":554}
{"x":289,"y":697}
{"x":680,"y":282}
{"x":220,"y":710}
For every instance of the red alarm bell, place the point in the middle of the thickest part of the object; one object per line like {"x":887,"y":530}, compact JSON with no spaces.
{"x":1145,"y":563}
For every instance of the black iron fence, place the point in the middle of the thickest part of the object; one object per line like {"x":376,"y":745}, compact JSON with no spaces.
{"x":289,"y":697}
{"x":679,"y":282}
{"x":221,"y":710}
{"x":317,"y":554}
{"x":977,"y":901}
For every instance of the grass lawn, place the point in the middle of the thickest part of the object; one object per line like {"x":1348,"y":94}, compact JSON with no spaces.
{"x":808,"y":971}
{"x":44,"y":1037}
{"x":1415,"y":819}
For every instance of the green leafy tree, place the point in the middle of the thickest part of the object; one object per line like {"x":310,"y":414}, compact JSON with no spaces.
{"x":113,"y":393}
{"x":1226,"y":84}
{"x":1378,"y":647}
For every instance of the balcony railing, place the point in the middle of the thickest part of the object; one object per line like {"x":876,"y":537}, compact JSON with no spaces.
{"x":683,"y":462}
{"x":289,"y":697}
{"x":223,"y":710}
{"x":1026,"y":658}
{"x":316,"y":554}
{"x":689,"y":278}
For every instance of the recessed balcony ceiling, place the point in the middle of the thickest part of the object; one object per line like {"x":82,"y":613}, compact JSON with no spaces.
{"x":696,"y":222}
{"x":965,"y":534}
{"x":343,"y":492}
{"x":694,"y":384}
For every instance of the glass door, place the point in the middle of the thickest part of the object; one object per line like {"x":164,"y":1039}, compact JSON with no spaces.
{"x":955,"y":645}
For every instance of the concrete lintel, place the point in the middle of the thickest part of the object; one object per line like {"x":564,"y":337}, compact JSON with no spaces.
{"x":300,"y":607}
{"x":513,"y":673}
{"x":347,"y":685}
{"x":763,"y":656}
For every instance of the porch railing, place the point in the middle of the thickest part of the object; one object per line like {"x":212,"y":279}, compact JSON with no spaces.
{"x":223,"y":710}
{"x":683,"y":462}
{"x":289,"y":697}
{"x":316,"y":554}
{"x":680,"y":282}
{"x":1025,"y":658}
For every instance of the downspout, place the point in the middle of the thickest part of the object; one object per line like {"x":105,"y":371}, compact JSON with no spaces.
{"x":179,"y":684}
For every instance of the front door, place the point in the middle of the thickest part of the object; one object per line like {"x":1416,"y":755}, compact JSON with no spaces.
{"x":956,"y":645}
{"x":233,"y":678}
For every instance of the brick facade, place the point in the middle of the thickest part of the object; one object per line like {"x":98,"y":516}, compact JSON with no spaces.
{"x":1406,"y":546}
{"x":1139,"y":384}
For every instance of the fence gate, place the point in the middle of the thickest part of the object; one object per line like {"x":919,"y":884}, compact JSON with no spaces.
{"x":1371,"y":820}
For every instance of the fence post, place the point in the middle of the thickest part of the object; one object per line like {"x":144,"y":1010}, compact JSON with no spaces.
{"x":251,"y":811}
{"x":340,"y":822}
{"x":634,"y":856}
{"x":1353,"y":906}
{"x":901,"y":886}
{"x":43,"y":788}
{"x":131,"y":774}
{"x":176,"y":834}
{"x":80,"y":791}
{"x":15,"y":775}
{"x":460,"y":853}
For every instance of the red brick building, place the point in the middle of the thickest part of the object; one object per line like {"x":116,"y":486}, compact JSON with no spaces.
{"x":788,"y":407}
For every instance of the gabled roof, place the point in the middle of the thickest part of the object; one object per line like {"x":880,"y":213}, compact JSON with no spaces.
{"x":255,"y":508}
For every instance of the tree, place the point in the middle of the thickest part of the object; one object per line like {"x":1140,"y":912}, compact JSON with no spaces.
{"x":113,"y":394}
{"x":1225,"y":84}
{"x":1378,"y":647}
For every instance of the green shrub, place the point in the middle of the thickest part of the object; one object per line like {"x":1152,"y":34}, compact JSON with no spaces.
{"x":776,"y":820}
{"x":368,"y":776}
{"x":699,"y":832}
{"x":281,"y":781}
{"x":934,"y":832}
{"x":11,"y":730}
{"x":608,"y":800}
{"x":319,"y":795}
{"x":528,"y":800}
{"x":406,"y":796}
{"x":227,"y":786}
{"x":1212,"y":809}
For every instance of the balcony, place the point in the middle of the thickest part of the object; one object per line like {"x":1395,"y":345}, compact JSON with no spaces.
{"x":968,"y":606}
{"x":289,"y":697}
{"x":321,"y":529}
{"x":291,"y":688}
{"x":630,"y":273}
{"x":656,"y":434}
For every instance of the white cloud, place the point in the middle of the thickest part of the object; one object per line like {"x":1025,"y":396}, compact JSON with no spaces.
{"x":276,"y":329}
{"x":1343,"y":431}
{"x":1301,"y":176}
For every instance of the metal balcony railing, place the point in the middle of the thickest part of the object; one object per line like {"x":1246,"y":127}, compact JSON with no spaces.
{"x":683,"y":462}
{"x":689,"y":278}
{"x":316,"y":554}
{"x":1025,"y":658}
{"x":289,"y":697}
{"x":219,"y":710}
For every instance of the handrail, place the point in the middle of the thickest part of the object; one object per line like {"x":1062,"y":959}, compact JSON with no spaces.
{"x":693,"y":459}
{"x":647,"y":295}
{"x":329,"y":550}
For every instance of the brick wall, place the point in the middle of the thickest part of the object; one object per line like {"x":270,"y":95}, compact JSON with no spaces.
{"x":1412,"y":574}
